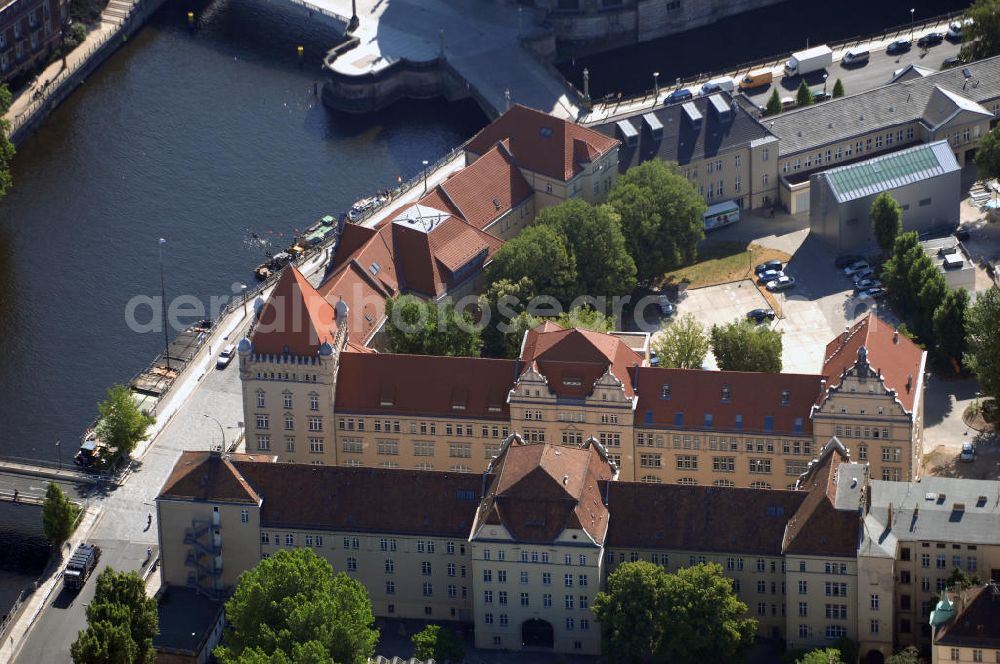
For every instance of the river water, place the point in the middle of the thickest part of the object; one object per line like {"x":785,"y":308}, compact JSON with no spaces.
{"x":193,"y":136}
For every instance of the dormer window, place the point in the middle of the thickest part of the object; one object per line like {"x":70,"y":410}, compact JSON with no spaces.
{"x":665,"y":391}
{"x":709,"y":420}
{"x":739,"y":422}
{"x":571,"y":381}
{"x":726,"y":394}
{"x":786,"y":397}
{"x":768,"y":423}
{"x":374,"y":268}
{"x":679,"y":418}
{"x":285,"y":350}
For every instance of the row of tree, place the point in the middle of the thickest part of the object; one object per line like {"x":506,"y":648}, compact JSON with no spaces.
{"x":803,"y":97}
{"x":737,"y":346}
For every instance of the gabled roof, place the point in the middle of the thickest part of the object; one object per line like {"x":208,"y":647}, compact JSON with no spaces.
{"x":459,"y":387}
{"x":541,"y":143}
{"x":485,"y":190}
{"x":908,"y":72}
{"x":364,"y":499}
{"x":574,"y":359}
{"x":537,"y":491}
{"x":698,"y":518}
{"x":821,"y":526}
{"x":663,"y":393}
{"x":364,"y":294}
{"x":295,"y":319}
{"x":207,"y":477}
{"x":898,"y":360}
{"x":944,"y":105}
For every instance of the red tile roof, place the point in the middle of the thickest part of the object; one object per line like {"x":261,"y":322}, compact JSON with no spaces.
{"x":696,"y":518}
{"x":459,"y":387}
{"x":540,"y":490}
{"x":295,"y":319}
{"x":899,"y":360}
{"x":483,"y":191}
{"x":365,"y":297}
{"x":542,"y":143}
{"x":364,"y":499}
{"x":572,"y":360}
{"x":207,"y":477}
{"x":818,"y":527}
{"x":754,"y":396}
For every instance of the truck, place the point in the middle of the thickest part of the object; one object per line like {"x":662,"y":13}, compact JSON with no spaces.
{"x":809,"y":60}
{"x":80,"y":565}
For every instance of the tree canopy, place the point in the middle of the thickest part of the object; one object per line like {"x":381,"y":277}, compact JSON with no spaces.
{"x":743,"y":346}
{"x":821,"y":656}
{"x":987,"y":159}
{"x":121,"y":622}
{"x":661,"y":216}
{"x":887,"y":221}
{"x":773,"y":103}
{"x":423,"y":327}
{"x":541,"y":254}
{"x":838,"y":89}
{"x":683,"y":344}
{"x":503,"y":302}
{"x":292,"y":604}
{"x":6,"y":147}
{"x":649,"y":615}
{"x":981,"y":38}
{"x":916,"y":283}
{"x":586,"y":318}
{"x":438,"y":643}
{"x":594,"y":236}
{"x":122,"y":424}
{"x":949,"y":326}
{"x":908,"y":655}
{"x":981,"y":324}
{"x":803,"y":96}
{"x":58,"y":515}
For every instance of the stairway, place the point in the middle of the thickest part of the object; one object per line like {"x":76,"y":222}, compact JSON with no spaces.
{"x":116,"y":11}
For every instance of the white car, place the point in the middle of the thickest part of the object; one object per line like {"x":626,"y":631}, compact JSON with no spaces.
{"x":968,"y":454}
{"x":955,"y":29}
{"x":781,"y":283}
{"x":860,"y":266}
{"x":225,"y":357}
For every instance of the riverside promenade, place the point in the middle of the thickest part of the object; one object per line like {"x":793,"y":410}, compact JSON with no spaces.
{"x":481,"y":41}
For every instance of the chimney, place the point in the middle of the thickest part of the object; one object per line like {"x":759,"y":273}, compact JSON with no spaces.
{"x":847,"y":332}
{"x":909,"y":382}
{"x":565,"y":480}
{"x":895,"y":336}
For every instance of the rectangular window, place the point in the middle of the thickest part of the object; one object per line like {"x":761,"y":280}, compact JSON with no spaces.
{"x":315,"y":423}
{"x":687,"y":462}
{"x":423,"y":448}
{"x":650,"y":461}
{"x":760,"y":466}
{"x":263,"y":442}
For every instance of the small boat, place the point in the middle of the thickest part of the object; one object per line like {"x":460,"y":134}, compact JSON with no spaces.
{"x":365,"y":205}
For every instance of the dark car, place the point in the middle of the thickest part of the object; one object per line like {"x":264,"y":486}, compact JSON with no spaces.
{"x":875,"y":293}
{"x":962,"y":235}
{"x":899,"y":46}
{"x":930,"y":39}
{"x":760,"y":315}
{"x":821,"y":95}
{"x":680,"y":94}
{"x":769,"y":265}
{"x":847,"y":261}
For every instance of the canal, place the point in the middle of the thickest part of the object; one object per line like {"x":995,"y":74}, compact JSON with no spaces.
{"x":194,"y":137}
{"x":762,"y":33}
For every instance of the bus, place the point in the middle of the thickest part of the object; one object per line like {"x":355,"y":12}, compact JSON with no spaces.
{"x":721,"y":214}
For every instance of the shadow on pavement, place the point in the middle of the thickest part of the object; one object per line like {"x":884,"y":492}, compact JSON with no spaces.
{"x":938,"y":404}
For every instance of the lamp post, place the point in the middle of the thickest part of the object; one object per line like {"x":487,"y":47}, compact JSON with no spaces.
{"x":911,"y":22}
{"x":656,"y":83}
{"x":221,"y":430}
{"x":163,"y":305}
{"x":425,"y":162}
{"x":59,"y":451}
{"x":824,"y":83}
{"x":243,"y":289}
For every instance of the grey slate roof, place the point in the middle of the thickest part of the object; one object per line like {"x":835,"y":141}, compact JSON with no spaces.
{"x":683,"y":141}
{"x":889,"y":171}
{"x":939,"y":509}
{"x":887,"y":106}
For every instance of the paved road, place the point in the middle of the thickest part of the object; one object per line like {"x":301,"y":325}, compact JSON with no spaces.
{"x":121,"y":530}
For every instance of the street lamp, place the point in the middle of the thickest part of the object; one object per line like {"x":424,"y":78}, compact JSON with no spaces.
{"x":221,"y":430}
{"x":243,"y":289}
{"x":163,"y":304}
{"x":656,"y":83}
{"x":425,"y":162}
{"x":824,"y":83}
{"x":911,"y":23}
{"x":59,"y":450}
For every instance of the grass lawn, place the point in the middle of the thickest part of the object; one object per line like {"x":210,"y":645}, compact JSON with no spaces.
{"x":720,"y":262}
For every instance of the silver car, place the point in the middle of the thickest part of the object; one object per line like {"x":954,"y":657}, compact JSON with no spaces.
{"x":781,"y":283}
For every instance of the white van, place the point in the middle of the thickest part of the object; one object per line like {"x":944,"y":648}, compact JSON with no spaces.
{"x":727,"y":83}
{"x":855,"y":56}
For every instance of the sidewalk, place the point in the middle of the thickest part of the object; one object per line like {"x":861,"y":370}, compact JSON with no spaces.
{"x":37,"y":600}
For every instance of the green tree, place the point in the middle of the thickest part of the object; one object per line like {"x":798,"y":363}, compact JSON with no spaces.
{"x":743,"y":346}
{"x":438,"y":643}
{"x":502,"y":303}
{"x":987,"y":159}
{"x":121,"y":622}
{"x":949,"y":325}
{"x":887,"y":221}
{"x":594,"y":235}
{"x":981,"y":324}
{"x":908,"y":655}
{"x":421,"y":327}
{"x":122,"y":425}
{"x":6,"y":147}
{"x":773,"y":103}
{"x":931,"y":289}
{"x":649,"y":615}
{"x":821,"y":656}
{"x":586,"y":318}
{"x":661,"y":214}
{"x":962,"y":579}
{"x":916,"y":283}
{"x":292,"y":599}
{"x":838,"y":89}
{"x":58,"y":515}
{"x":541,"y":254}
{"x":6,"y":98}
{"x":804,"y":96}
{"x":682,"y":344}
{"x":981,"y":38}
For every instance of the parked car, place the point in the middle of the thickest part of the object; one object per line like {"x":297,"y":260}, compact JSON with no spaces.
{"x":855,"y":57}
{"x":962,"y":235}
{"x":727,"y":83}
{"x":899,"y":46}
{"x":760,"y":315}
{"x":769,"y":275}
{"x":821,"y":95}
{"x":769,"y":265}
{"x":876,"y":293}
{"x":781,"y":283}
{"x":968,"y":453}
{"x":846,"y":261}
{"x":680,"y":94}
{"x":854,"y":268}
{"x":666,"y":306}
{"x":950,"y":63}
{"x":930,"y":39}
{"x":787,"y":103}
{"x":956,"y":27}
{"x":865,"y":284}
{"x":863,"y":275}
{"x":225,"y":357}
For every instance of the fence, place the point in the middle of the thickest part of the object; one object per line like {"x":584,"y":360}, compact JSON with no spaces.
{"x":10,"y":615}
